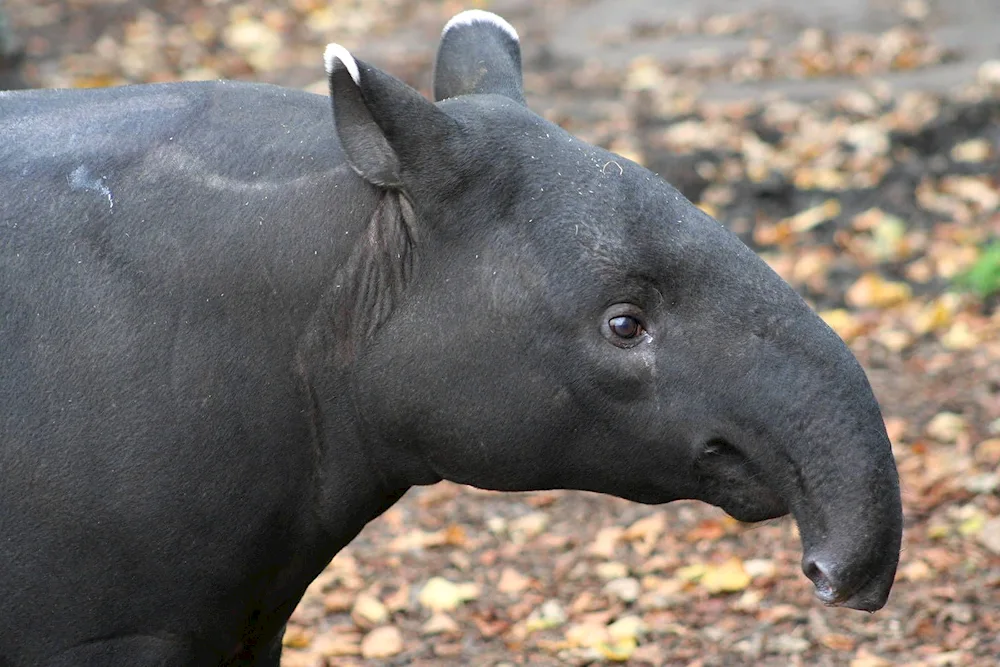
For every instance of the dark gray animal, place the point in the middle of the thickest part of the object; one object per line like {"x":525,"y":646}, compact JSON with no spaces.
{"x":232,"y":332}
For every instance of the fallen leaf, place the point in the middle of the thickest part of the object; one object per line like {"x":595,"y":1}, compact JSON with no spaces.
{"x":617,"y":651}
{"x":528,"y":526}
{"x":812,"y":217}
{"x":626,"y":589}
{"x":368,"y":611}
{"x":605,"y":543}
{"x":691,"y":572}
{"x":440,"y":623}
{"x":989,"y":536}
{"x":866,"y":659}
{"x":837,"y":642}
{"x":383,"y":642}
{"x":918,"y":570}
{"x":297,"y":636}
{"x":611,"y":570}
{"x":627,"y":627}
{"x":945,"y":427}
{"x":843,"y":322}
{"x":960,"y":337}
{"x":550,"y":615}
{"x":760,"y":568}
{"x":586,"y":635}
{"x":439,"y":594}
{"x":873,"y":291}
{"x":255,"y":41}
{"x":335,"y":645}
{"x":788,"y":645}
{"x":512,"y":582}
{"x":973,"y":523}
{"x":728,"y":577}
{"x":972,"y":150}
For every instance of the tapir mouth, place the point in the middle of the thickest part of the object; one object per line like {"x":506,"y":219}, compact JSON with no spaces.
{"x":733,"y":482}
{"x":848,"y":555}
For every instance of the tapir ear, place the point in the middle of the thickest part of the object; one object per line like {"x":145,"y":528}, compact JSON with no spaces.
{"x":385,"y":127}
{"x":480,"y":53}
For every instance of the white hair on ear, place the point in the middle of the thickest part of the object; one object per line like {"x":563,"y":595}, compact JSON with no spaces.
{"x":337,"y":52}
{"x":471,"y":16}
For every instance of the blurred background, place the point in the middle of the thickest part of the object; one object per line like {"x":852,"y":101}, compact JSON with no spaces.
{"x":855,"y":144}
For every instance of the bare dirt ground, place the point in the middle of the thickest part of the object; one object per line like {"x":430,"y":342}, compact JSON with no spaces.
{"x":855,"y":144}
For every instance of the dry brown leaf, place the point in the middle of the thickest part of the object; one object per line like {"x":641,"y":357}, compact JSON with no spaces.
{"x":866,"y":659}
{"x":842,"y":321}
{"x":837,"y":642}
{"x":812,"y":217}
{"x":440,"y":623}
{"x":335,"y":645}
{"x":512,"y":582}
{"x":297,"y":636}
{"x":946,"y":427}
{"x":873,"y":291}
{"x":605,"y":543}
{"x":369,"y":611}
{"x":439,"y":594}
{"x":383,"y":642}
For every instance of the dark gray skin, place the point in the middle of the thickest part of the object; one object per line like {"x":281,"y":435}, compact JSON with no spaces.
{"x":233,"y":332}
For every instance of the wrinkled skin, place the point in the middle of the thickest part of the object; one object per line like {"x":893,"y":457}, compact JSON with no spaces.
{"x":235,"y":332}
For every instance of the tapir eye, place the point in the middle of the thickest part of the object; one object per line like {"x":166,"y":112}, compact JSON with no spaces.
{"x":625,"y":326}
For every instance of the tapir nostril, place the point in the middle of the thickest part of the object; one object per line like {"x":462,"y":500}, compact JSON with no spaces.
{"x":819,"y":574}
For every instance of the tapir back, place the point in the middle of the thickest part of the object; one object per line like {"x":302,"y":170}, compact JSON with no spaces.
{"x":163,"y":253}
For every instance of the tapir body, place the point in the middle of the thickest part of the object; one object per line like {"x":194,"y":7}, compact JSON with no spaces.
{"x":235,"y":329}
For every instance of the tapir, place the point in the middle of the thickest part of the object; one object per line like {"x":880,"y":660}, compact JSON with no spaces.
{"x":236,"y":327}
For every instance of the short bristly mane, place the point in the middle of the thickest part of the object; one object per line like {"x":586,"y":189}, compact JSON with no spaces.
{"x":367,"y":288}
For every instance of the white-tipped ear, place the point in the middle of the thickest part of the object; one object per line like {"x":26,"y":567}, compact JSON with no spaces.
{"x":471,"y":16}
{"x":335,"y":52}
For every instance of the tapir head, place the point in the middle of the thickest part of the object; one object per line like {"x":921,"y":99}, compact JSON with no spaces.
{"x":552,"y":315}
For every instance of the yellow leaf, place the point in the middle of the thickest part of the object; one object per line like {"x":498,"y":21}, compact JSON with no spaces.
{"x":619,"y":651}
{"x":297,"y":637}
{"x":946,"y":427}
{"x":973,"y":524}
{"x":937,"y":531}
{"x":369,"y":610}
{"x":873,"y":291}
{"x":440,"y":623}
{"x":604,"y":544}
{"x":708,"y":208}
{"x":549,"y":615}
{"x":439,"y":594}
{"x":627,"y":627}
{"x":960,"y":337}
{"x":334,"y":646}
{"x":973,"y":150}
{"x":383,"y":642}
{"x":938,"y":314}
{"x":726,"y":578}
{"x":812,"y":217}
{"x":691,"y":572}
{"x":843,"y":322}
{"x":586,"y":635}
{"x":649,"y":527}
{"x":611,"y":570}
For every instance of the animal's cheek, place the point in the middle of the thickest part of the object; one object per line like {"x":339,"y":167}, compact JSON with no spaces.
{"x":625,"y":375}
